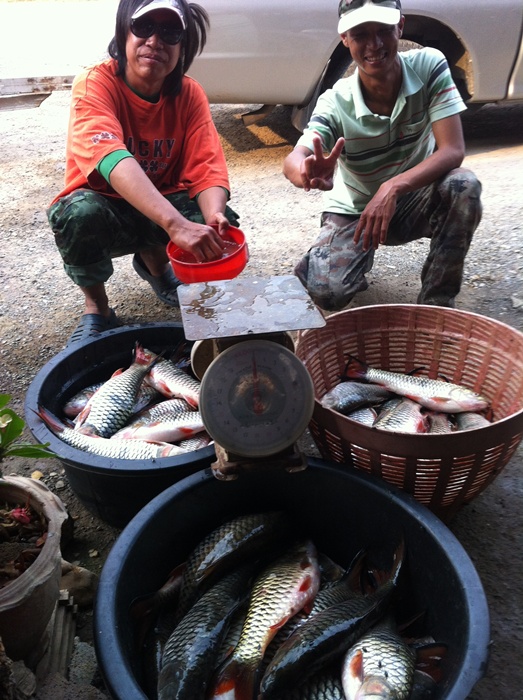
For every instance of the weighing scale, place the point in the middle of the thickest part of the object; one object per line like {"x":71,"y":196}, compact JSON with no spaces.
{"x":256,"y":396}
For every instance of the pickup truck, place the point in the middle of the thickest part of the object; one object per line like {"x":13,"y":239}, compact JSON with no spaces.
{"x":288,"y":51}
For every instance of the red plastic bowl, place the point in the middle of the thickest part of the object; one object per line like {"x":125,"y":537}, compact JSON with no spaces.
{"x":233,"y":261}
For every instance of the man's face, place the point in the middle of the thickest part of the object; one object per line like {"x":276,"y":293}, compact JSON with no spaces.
{"x":374,"y":46}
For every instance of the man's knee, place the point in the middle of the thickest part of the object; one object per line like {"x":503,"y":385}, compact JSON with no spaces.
{"x":462,"y":191}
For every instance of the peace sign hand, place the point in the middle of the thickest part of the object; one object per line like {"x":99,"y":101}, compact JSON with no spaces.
{"x":317,"y":170}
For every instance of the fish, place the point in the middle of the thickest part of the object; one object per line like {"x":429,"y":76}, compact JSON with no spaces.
{"x":430,"y":393}
{"x":439,"y":423}
{"x":405,"y":417}
{"x":348,"y":396}
{"x":190,"y":652}
{"x":105,"y":447}
{"x":196,"y":442}
{"x":380,"y":665}
{"x":146,"y":396}
{"x":471,"y":421}
{"x":235,"y":540}
{"x":172,"y":381}
{"x":178,"y":427}
{"x":111,"y":406}
{"x":279,"y":592}
{"x":326,"y":685}
{"x":76,"y":403}
{"x":365,"y":415}
{"x":327,"y":635}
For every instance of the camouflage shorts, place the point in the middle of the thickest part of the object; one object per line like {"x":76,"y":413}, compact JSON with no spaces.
{"x":90,"y":229}
{"x":447,"y":212}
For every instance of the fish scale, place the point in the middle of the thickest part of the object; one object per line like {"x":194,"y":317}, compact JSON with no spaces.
{"x":172,"y":381}
{"x":106,"y":447}
{"x":380,"y":665}
{"x":278,"y":593}
{"x":430,"y":393}
{"x":112,"y":405}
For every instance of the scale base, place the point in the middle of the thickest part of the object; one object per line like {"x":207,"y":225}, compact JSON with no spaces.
{"x":229,"y":466}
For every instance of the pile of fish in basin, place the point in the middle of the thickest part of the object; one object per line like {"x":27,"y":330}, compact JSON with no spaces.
{"x":323,"y":584}
{"x":121,"y":413}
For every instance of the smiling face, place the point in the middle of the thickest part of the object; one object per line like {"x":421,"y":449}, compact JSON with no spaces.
{"x":374,"y":48}
{"x":151,"y":60}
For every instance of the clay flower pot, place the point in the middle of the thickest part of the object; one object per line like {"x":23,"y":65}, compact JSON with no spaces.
{"x":27,"y":602}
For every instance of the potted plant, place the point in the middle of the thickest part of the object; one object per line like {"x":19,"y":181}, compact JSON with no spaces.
{"x":30,"y":585}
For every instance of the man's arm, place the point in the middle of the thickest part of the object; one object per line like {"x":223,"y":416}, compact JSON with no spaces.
{"x":374,"y":221}
{"x":129,"y":180}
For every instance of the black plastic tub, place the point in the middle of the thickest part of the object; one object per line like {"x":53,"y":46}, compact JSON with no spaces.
{"x":342,"y":510}
{"x":114,"y":490}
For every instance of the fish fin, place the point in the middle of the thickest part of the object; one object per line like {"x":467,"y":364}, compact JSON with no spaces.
{"x":235,"y":681}
{"x":356,"y":665}
{"x":354,"y":572}
{"x":378,"y":575}
{"x":415,"y":372}
{"x":116,"y":372}
{"x":354,"y":369}
{"x":51,"y":421}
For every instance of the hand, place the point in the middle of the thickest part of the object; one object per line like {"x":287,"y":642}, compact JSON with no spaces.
{"x":201,"y":240}
{"x":317,"y":170}
{"x":374,"y":223}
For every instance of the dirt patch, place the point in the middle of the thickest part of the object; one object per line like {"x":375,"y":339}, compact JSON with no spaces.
{"x":39,"y":308}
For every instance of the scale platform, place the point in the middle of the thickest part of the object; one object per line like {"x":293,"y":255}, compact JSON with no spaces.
{"x":246,"y":306}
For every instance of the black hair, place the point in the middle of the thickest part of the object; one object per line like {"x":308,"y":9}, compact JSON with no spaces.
{"x":194,"y":39}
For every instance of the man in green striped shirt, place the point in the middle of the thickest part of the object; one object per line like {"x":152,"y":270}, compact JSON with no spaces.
{"x":386,"y":146}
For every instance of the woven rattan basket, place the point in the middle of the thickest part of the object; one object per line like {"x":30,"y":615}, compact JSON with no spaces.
{"x":443,"y":472}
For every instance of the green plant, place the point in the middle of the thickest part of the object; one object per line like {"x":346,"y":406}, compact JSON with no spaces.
{"x":11,"y":427}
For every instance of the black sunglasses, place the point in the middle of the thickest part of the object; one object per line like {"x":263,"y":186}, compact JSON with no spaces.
{"x":168,"y":33}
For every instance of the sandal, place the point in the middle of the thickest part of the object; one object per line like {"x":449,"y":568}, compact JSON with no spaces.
{"x":164,"y":286}
{"x":91,"y":325}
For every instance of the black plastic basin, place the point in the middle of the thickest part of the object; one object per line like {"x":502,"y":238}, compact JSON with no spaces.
{"x":114,"y":490}
{"x":342,"y":510}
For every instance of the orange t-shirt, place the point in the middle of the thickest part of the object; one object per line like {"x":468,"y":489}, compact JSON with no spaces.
{"x":174,"y":140}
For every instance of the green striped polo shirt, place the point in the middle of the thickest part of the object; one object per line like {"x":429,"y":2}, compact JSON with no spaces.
{"x":380,"y":147}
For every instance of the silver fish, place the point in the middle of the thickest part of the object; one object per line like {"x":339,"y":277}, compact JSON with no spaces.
{"x":328,"y":634}
{"x":471,"y":421}
{"x":146,"y":396}
{"x":324,"y":686}
{"x":431,"y":393}
{"x":178,"y":427}
{"x":235,"y":540}
{"x":406,"y":417}
{"x":197,"y":442}
{"x":112,"y":405}
{"x":366,"y":415}
{"x":76,"y":403}
{"x":105,"y":447}
{"x":190,"y":652}
{"x":379,"y":665}
{"x":439,"y":423}
{"x":172,"y":381}
{"x":278,"y":593}
{"x":347,"y":396}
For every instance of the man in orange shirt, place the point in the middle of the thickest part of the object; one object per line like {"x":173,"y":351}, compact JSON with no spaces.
{"x":144,"y":163}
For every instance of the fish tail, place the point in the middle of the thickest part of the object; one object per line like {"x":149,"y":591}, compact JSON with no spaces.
{"x":236,"y":681}
{"x":354,"y":369}
{"x":50,"y":420}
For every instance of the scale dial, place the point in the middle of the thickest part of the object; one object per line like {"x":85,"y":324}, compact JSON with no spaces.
{"x":256,"y":398}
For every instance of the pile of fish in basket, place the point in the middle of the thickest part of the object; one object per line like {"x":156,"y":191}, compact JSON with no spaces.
{"x":257,"y":611}
{"x":148,"y":410}
{"x":441,"y":452}
{"x":405,"y":402}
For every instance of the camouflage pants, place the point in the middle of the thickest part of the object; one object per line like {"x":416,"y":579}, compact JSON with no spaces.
{"x":90,"y":229}
{"x":447,"y":212}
